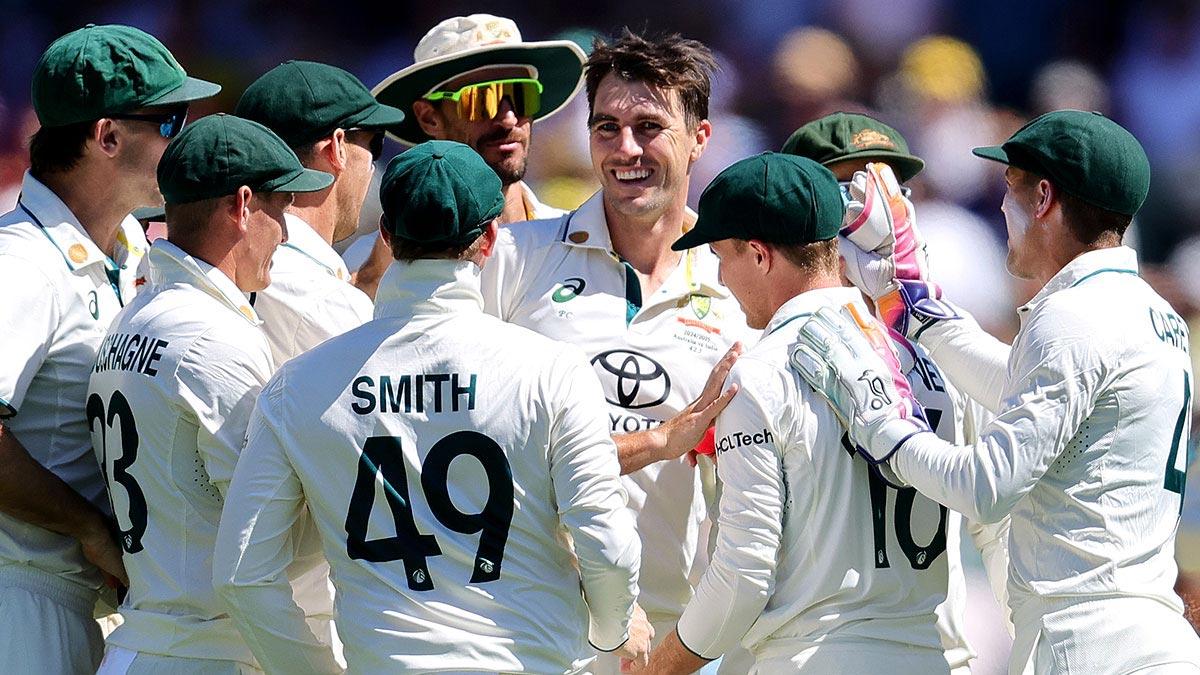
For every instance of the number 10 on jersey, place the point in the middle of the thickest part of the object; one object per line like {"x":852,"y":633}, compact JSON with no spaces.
{"x":383,"y":456}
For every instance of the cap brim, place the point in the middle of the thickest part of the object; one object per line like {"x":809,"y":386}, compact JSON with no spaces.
{"x":559,"y":65}
{"x":150,"y":214}
{"x":307,"y":180}
{"x":995,"y":153}
{"x":906,"y":166}
{"x":192,"y":89}
{"x":697,"y":236}
{"x":380,"y":116}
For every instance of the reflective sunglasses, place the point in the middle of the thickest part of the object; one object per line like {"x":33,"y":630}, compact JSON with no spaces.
{"x":844,"y":186}
{"x":375,"y":144}
{"x":481,"y":101}
{"x":169,"y":123}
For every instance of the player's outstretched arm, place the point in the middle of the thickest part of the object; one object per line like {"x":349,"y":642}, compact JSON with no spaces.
{"x":683,"y":432}
{"x":592,"y":501}
{"x":32,"y":493}
{"x":255,"y":546}
{"x":670,"y":657}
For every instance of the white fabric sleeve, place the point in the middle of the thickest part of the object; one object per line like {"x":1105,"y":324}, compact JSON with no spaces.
{"x":255,"y":546}
{"x":991,"y":539}
{"x":221,"y":375}
{"x":740,"y":578}
{"x":501,"y":276}
{"x":336,"y":312}
{"x":975,"y":362}
{"x":29,"y":316}
{"x":591,"y":500}
{"x":1056,"y":373}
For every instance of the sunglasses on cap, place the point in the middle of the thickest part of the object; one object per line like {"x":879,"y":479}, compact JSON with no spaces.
{"x":844,"y":186}
{"x":170,"y":123}
{"x":481,"y":101}
{"x":375,"y":144}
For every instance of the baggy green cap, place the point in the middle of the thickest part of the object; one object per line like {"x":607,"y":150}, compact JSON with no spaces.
{"x":104,"y":70}
{"x":304,"y":101}
{"x":772,"y":197}
{"x":440,"y":192}
{"x":1084,"y":153}
{"x":218,"y":154}
{"x":843,"y":135}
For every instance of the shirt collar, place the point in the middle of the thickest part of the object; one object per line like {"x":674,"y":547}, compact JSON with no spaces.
{"x":1118,"y":260}
{"x":171,"y":264}
{"x":428,"y":287}
{"x":66,"y":233}
{"x":303,"y":239}
{"x":807,"y":303}
{"x":587,"y":227}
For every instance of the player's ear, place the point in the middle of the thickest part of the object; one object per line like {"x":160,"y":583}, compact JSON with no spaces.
{"x":241,"y":207}
{"x":107,"y":136}
{"x":430,"y":119}
{"x":703,"y":133}
{"x":336,"y":152}
{"x":1044,"y":195}
{"x":490,"y":233}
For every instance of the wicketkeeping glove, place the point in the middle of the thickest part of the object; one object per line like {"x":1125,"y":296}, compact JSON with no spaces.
{"x":885,"y":254}
{"x":848,"y":359}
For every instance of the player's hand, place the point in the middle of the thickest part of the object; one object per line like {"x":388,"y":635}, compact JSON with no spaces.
{"x":102,"y":550}
{"x":635,"y":653}
{"x":848,"y":359}
{"x":684,"y":431}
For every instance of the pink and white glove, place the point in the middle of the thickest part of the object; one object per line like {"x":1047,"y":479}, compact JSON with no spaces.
{"x":885,"y":254}
{"x":848,"y":359}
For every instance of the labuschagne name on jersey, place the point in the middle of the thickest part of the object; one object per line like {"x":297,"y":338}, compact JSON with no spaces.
{"x":740,"y":439}
{"x":424,"y":393}
{"x":130,"y":352}
{"x":1170,"y":328}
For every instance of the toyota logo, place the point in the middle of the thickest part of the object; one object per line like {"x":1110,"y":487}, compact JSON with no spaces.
{"x":641,"y":382}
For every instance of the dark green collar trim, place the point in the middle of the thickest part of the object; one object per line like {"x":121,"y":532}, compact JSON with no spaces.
{"x":789,"y":320}
{"x":1116,"y":270}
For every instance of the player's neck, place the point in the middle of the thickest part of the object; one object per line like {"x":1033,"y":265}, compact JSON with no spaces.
{"x":778,"y":289}
{"x":515,"y":208}
{"x":93,"y":202}
{"x":321,"y":215}
{"x":645,"y":243}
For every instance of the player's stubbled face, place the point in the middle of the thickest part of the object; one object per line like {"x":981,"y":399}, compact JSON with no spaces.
{"x":1018,"y":217}
{"x":264,"y":233}
{"x":502,"y":141}
{"x":641,"y":144}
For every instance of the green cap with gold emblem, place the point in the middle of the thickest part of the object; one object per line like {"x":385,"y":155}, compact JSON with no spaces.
{"x":842,"y":136}
{"x":440,"y":192}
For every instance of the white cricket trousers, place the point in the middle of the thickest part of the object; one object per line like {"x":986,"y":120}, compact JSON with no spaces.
{"x":850,"y":656}
{"x":122,"y":661}
{"x":1114,"y":635}
{"x":46,"y":624}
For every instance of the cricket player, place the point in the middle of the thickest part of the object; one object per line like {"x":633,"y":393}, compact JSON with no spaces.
{"x":652,"y":321}
{"x":819,"y":565}
{"x":327,"y":116}
{"x":856,"y":148}
{"x":440,"y":452}
{"x":174,"y":383}
{"x":475,"y":81}
{"x":1092,"y":400}
{"x":108,"y":99}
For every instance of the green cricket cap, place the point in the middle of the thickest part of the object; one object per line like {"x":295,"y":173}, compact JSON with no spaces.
{"x":103,"y":70}
{"x":842,"y":135}
{"x":440,"y":192}
{"x":304,"y":101}
{"x":772,"y":197}
{"x":1085,"y":154}
{"x":216,"y":155}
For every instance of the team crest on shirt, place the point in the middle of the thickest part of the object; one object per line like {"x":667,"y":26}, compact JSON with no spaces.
{"x":701,"y":305}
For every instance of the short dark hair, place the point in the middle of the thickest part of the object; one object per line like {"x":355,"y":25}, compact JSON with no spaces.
{"x":814,"y":257}
{"x":406,"y":250}
{"x":667,"y":61}
{"x":58,"y":149}
{"x":1086,"y":221}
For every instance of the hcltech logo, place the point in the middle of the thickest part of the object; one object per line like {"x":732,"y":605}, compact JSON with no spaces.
{"x":640,"y":381}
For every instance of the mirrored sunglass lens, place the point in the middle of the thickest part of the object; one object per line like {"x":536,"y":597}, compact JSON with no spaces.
{"x":482,"y":101}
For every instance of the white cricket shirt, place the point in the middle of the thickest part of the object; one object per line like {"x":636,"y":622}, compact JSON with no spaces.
{"x":440,"y":452}
{"x":1090,"y":444}
{"x":170,"y":396}
{"x":813,"y":547}
{"x":310,"y":298}
{"x":652,"y":355}
{"x":61,"y":293}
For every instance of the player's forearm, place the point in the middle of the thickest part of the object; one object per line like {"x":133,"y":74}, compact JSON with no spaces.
{"x":32,"y":493}
{"x":672,"y":657}
{"x":640,"y":449}
{"x":977,"y":481}
{"x":974,"y":361}
{"x":274,"y":627}
{"x":366,"y":279}
{"x":609,"y":559}
{"x":991,"y":540}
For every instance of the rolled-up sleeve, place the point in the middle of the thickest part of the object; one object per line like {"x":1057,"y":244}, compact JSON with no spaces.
{"x":255,"y":547}
{"x":592,"y":501}
{"x":741,"y":576}
{"x":1055,"y":375}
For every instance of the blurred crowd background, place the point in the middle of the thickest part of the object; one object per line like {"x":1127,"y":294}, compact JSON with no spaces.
{"x":949,"y":74}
